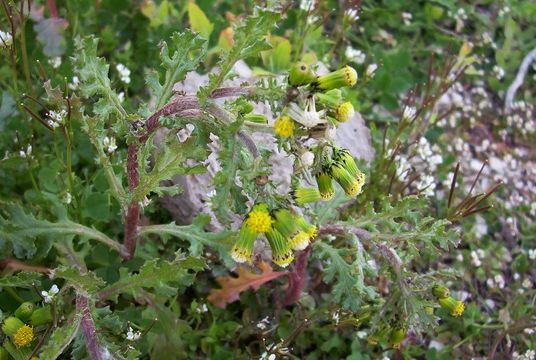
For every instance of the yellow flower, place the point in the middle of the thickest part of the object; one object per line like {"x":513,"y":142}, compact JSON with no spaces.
{"x":344,"y":112}
{"x":347,"y":76}
{"x":456,"y":307}
{"x":284,"y":126}
{"x":259,"y":220}
{"x":352,"y":186}
{"x":299,"y":241}
{"x":243,"y":248}
{"x":281,"y":253}
{"x":309,"y":228}
{"x":23,"y":336}
{"x":325,"y":186}
{"x":304,"y":195}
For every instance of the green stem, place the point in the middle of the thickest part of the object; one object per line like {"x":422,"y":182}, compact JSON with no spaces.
{"x":26,"y":68}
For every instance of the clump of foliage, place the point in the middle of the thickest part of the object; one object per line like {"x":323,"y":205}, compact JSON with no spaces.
{"x":352,"y":259}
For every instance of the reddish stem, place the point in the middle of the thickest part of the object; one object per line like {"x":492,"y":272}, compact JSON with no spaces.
{"x":51,"y":4}
{"x":94,"y":350}
{"x":296,"y":278}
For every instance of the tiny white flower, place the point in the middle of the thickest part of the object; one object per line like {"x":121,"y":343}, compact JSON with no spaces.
{"x":355,"y":55}
{"x":109,"y":144}
{"x":131,"y":335}
{"x":201,"y":309}
{"x":308,"y":117}
{"x":498,"y":72}
{"x":121,"y":96}
{"x":307,"y":159}
{"x":532,"y":252}
{"x":48,"y":296}
{"x":55,"y":62}
{"x":73,"y":85}
{"x":5,"y":39}
{"x":409,"y":113}
{"x":407,"y":17}
{"x":68,"y":198}
{"x":351,"y":14}
{"x":371,"y":70}
{"x":124,"y":73}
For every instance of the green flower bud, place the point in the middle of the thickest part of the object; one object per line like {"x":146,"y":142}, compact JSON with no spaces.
{"x":440,"y":291}
{"x":456,"y":307}
{"x":350,"y":184}
{"x":331,"y":98}
{"x":41,"y":316}
{"x":300,"y":74}
{"x":347,"y":76}
{"x":325,"y":185}
{"x":397,"y":336}
{"x":309,"y":228}
{"x":304,"y":195}
{"x":11,"y":325}
{"x":256,"y":118}
{"x":343,"y":156}
{"x":281,"y":253}
{"x":25,"y":310}
{"x":243,"y":247}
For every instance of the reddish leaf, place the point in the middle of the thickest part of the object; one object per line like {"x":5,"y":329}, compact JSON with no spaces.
{"x":231,"y":287}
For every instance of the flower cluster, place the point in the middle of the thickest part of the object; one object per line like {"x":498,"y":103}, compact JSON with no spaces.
{"x":48,"y":296}
{"x":284,"y":230}
{"x":56,"y":118}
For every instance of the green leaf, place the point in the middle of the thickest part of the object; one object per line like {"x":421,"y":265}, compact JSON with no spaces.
{"x":196,"y":236}
{"x":188,"y":49}
{"x":84,"y":282}
{"x":156,"y":274}
{"x":199,"y":21}
{"x":93,"y":74}
{"x":97,"y":206}
{"x":60,"y":340}
{"x":21,"y":280}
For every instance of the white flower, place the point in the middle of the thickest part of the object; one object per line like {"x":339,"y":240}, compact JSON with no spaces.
{"x":263,"y":324}
{"x":336,"y":317}
{"x":131,"y":335}
{"x":121,"y":96}
{"x":124,"y":73}
{"x":355,"y":55}
{"x":109,"y":144}
{"x":307,"y":159}
{"x":407,"y":17}
{"x":73,"y":85}
{"x":5,"y":39}
{"x":371,"y":70}
{"x":68,"y":198}
{"x":48,"y":296}
{"x":475,"y":259}
{"x":498,"y":72}
{"x":56,"y":118}
{"x":55,"y":62}
{"x":409,"y":113}
{"x":308,"y":117}
{"x":504,"y":11}
{"x":532,"y":254}
{"x":306,"y":5}
{"x":527,"y":284}
{"x":351,"y":14}
{"x":201,"y":309}
{"x":265,"y":356}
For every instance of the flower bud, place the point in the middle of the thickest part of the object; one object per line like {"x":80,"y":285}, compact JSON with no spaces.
{"x":331,"y":98}
{"x":440,"y":291}
{"x":41,"y":316}
{"x":347,"y":76}
{"x":25,"y":310}
{"x":309,"y":228}
{"x":300,"y":74}
{"x":281,"y":253}
{"x":256,"y":118}
{"x":305,"y":195}
{"x":325,"y":186}
{"x":350,"y":184}
{"x":397,"y":336}
{"x":456,"y":307}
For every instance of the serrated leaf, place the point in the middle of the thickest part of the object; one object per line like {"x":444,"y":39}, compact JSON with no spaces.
{"x":60,"y":339}
{"x":199,"y":21}
{"x":87,"y":282}
{"x":21,"y":280}
{"x":156,"y":274}
{"x":188,"y":49}
{"x":196,"y":236}
{"x":232,"y":287}
{"x":93,"y":74}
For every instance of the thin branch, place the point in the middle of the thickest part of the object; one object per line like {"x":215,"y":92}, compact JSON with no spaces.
{"x":94,"y":349}
{"x":518,"y":81}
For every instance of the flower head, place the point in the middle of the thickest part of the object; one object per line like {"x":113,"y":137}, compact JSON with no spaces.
{"x":305,"y":195}
{"x":243,"y":247}
{"x":396,"y":337}
{"x":440,"y":291}
{"x":281,"y":253}
{"x":287,"y":225}
{"x":131,"y":335}
{"x":345,"y":112}
{"x":300,"y":74}
{"x":371,"y":70}
{"x":259,"y":219}
{"x":23,"y":336}
{"x":309,"y":228}
{"x":456,"y":307}
{"x":346,"y":76}
{"x":48,"y":296}
{"x":352,"y":186}
{"x":325,"y":185}
{"x":284,"y":126}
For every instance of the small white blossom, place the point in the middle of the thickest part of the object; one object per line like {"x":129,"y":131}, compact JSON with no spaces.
{"x":55,"y":62}
{"x":504,"y":11}
{"x":124,"y":73}
{"x":371,"y":70}
{"x":532,"y":254}
{"x":306,"y":5}
{"x":68,"y":198}
{"x":264,"y":323}
{"x":201,"y":309}
{"x":48,"y":296}
{"x":498,"y":72}
{"x":307,"y":159}
{"x":133,"y":336}
{"x":5,"y":39}
{"x":407,"y":17}
{"x":409,"y":113}
{"x":355,"y":55}
{"x":527,"y":284}
{"x":351,"y":14}
{"x":121,"y":96}
{"x":56,"y":118}
{"x":265,"y":356}
{"x":109,"y":144}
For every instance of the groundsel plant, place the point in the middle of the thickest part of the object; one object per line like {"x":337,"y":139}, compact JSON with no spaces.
{"x":367,"y":245}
